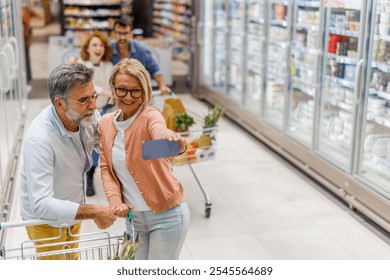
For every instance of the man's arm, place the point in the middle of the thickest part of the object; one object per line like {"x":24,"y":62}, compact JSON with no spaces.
{"x":39,"y":171}
{"x":161,"y":85}
{"x":103,"y":216}
{"x":150,"y":63}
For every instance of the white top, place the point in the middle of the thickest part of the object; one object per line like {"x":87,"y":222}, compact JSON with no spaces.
{"x":101,"y":80}
{"x":130,"y":190}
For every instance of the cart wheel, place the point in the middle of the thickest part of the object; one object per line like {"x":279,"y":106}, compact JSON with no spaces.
{"x":208,"y":212}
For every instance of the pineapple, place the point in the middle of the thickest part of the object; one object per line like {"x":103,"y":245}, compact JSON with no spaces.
{"x":212,"y":118}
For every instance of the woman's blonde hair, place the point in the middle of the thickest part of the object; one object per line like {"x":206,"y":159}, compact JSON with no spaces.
{"x":132,"y":67}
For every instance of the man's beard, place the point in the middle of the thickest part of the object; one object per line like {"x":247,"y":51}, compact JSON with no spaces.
{"x":83,"y":120}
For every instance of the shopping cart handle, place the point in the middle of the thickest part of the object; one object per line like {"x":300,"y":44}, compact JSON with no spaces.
{"x":26,"y":223}
{"x":158,"y":93}
{"x":130,"y":215}
{"x":35,"y":222}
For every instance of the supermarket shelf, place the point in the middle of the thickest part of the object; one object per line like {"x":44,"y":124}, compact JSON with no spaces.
{"x":172,"y":22}
{"x":81,"y":14}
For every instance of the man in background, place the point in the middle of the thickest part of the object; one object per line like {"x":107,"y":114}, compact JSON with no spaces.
{"x":125,"y":47}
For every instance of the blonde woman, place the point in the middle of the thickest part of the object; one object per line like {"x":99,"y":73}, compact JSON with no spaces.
{"x":160,"y":212}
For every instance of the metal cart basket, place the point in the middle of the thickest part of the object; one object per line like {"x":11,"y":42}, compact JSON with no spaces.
{"x":90,"y":246}
{"x":201,"y":145}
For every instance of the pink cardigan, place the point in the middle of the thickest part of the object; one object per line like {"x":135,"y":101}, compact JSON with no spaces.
{"x":155,"y":179}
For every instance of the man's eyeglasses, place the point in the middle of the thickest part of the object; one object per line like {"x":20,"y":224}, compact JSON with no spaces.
{"x":122,"y":33}
{"x":85,"y":101}
{"x":135,"y":93}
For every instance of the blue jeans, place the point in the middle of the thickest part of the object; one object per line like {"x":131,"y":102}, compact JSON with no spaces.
{"x":161,"y":235}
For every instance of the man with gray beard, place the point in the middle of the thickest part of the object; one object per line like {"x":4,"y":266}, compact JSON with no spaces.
{"x":57,"y":153}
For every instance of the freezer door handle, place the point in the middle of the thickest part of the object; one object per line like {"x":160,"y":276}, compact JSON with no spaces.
{"x":10,"y":54}
{"x":14,"y":42}
{"x":359,"y":67}
{"x":199,"y":29}
{"x":4,"y":77}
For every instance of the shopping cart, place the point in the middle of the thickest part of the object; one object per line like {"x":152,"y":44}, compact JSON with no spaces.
{"x":91,"y":246}
{"x":201,"y":144}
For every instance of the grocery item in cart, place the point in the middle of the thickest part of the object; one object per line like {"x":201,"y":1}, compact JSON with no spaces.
{"x":172,"y":107}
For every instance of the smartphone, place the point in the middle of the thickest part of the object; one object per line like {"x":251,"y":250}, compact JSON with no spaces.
{"x":159,"y":148}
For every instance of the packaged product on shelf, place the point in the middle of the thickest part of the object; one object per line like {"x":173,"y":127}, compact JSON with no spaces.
{"x":384,"y":29}
{"x":279,"y":11}
{"x":342,"y":48}
{"x":340,"y":70}
{"x":384,"y":18}
{"x":349,"y":72}
{"x":332,"y":43}
{"x":331,"y":68}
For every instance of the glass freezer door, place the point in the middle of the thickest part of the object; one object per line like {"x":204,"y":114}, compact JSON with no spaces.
{"x":205,"y":41}
{"x":10,"y":80}
{"x":374,"y":164}
{"x":305,"y":59}
{"x":236,"y":38}
{"x":213,"y":42}
{"x":278,"y":56}
{"x":342,"y":60}
{"x":255,"y":55}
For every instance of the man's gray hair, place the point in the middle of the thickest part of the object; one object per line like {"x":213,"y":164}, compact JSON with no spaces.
{"x":65,"y":77}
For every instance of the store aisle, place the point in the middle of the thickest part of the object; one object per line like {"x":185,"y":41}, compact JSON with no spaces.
{"x":262,"y":207}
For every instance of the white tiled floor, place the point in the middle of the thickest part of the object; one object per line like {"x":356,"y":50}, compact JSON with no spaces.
{"x":262,"y":208}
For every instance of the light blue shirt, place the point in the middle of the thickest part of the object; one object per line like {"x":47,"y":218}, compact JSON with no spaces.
{"x":53,"y":167}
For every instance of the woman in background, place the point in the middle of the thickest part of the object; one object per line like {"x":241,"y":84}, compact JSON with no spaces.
{"x":160,"y":212}
{"x":96,"y":53}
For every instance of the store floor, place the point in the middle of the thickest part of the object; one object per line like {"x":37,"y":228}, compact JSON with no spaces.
{"x":262,"y":207}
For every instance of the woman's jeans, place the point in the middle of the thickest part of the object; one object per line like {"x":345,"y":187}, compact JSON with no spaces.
{"x":162,"y":234}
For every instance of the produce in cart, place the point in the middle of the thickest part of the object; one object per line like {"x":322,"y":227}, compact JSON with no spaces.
{"x":200,"y":142}
{"x":210,"y":121}
{"x":183,"y":122}
{"x":125,"y":250}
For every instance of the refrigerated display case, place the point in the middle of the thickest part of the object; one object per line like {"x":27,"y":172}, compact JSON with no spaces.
{"x":278,"y":61}
{"x":212,"y":39}
{"x":12,"y":97}
{"x":374,"y":162}
{"x":236,"y":42}
{"x":325,"y":100}
{"x":254,"y":75}
{"x":343,"y":56}
{"x":306,"y":53}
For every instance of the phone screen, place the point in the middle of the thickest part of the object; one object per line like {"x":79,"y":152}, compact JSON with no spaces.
{"x":160,"y":148}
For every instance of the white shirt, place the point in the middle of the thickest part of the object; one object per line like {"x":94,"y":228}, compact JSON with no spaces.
{"x":53,"y":168}
{"x":101,"y":79}
{"x":130,"y":191}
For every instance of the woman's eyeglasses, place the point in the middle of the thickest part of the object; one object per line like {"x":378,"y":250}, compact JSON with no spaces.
{"x":85,"y":101}
{"x":135,"y":93}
